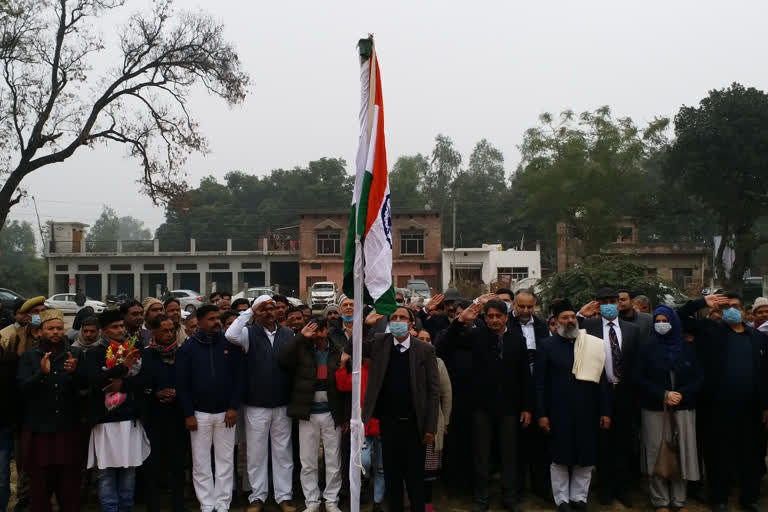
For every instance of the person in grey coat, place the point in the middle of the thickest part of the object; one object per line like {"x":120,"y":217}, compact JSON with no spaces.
{"x":627,"y":312}
{"x":403,"y":393}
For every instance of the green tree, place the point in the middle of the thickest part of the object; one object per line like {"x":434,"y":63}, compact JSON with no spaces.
{"x":110,"y":227}
{"x":586,"y":170}
{"x":479,"y":192}
{"x":405,"y":182}
{"x":720,"y":154}
{"x":21,"y":269}
{"x":52,"y":103}
{"x":580,"y":283}
{"x":444,"y":166}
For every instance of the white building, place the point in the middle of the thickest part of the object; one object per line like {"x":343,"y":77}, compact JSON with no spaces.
{"x":490,"y":263}
{"x":141,"y":268}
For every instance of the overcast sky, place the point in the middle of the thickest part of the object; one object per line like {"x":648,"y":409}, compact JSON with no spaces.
{"x":470,"y":70}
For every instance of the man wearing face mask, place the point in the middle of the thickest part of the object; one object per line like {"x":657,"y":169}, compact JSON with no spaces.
{"x":734,"y":402}
{"x":403,"y":392}
{"x":502,"y":391}
{"x":618,"y":445}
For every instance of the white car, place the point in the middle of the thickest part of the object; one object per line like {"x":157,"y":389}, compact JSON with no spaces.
{"x":253,"y":293}
{"x":65,"y":302}
{"x":190,"y":300}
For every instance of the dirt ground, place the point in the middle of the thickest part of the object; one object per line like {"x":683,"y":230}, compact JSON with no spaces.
{"x":445,"y":501}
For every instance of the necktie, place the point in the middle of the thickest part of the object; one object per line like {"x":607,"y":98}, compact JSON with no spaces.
{"x":615,"y":351}
{"x":500,"y":347}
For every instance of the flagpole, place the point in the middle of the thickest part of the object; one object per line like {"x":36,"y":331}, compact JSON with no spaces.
{"x":356,"y":424}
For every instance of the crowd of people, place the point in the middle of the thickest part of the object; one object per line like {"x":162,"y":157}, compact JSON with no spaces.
{"x":254,"y":398}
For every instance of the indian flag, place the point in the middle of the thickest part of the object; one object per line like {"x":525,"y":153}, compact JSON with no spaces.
{"x":370,"y":218}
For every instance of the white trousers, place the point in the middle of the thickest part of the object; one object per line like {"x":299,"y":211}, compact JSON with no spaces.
{"x":570,"y":486}
{"x":320,"y":427}
{"x":273,"y":426}
{"x":213,"y":493}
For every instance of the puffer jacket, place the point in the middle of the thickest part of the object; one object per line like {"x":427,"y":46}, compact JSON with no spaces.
{"x":298,"y":357}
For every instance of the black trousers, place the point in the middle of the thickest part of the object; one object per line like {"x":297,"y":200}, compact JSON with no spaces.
{"x":403,"y":452}
{"x":534,"y":456}
{"x":617,"y":459}
{"x":457,"y":453}
{"x":485,"y":426}
{"x":166,"y":463}
{"x":734,"y":440}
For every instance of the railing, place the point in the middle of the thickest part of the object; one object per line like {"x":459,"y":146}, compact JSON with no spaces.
{"x":262,"y":245}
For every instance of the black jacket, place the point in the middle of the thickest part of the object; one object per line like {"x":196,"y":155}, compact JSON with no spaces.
{"x":298,"y":358}
{"x":160,"y":375}
{"x":209,"y":376}
{"x":98,"y":376}
{"x":500,"y":384}
{"x":712,"y":351}
{"x":652,"y":379}
{"x":49,"y":402}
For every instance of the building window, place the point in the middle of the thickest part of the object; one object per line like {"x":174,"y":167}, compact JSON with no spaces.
{"x":120,"y":266}
{"x":88,"y":268}
{"x":516,"y":273}
{"x":329,"y":243}
{"x":682,"y":277}
{"x":250,"y":265}
{"x":625,"y":235}
{"x":154,"y":266}
{"x":315,"y":266}
{"x":412,"y":242}
{"x":186,"y":266}
{"x":62,"y":268}
{"x":218,"y":266}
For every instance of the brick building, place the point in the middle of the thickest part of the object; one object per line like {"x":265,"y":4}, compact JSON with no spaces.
{"x":416,"y":251}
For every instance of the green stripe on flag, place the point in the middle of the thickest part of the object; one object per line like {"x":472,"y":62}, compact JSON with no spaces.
{"x":349,"y":256}
{"x":362,"y":212}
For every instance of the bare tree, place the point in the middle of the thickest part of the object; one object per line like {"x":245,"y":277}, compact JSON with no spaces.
{"x":50,"y":106}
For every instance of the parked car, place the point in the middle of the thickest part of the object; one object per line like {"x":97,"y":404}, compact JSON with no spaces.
{"x":65,"y":302}
{"x":252,"y":293}
{"x":324,"y":292}
{"x":419,"y":287}
{"x":9,"y":298}
{"x":189,"y":300}
{"x":753,"y":288}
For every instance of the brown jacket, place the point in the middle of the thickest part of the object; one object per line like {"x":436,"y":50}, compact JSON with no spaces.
{"x":425,"y":380}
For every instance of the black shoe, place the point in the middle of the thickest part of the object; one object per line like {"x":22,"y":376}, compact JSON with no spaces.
{"x":625,"y":499}
{"x":377,"y":507}
{"x":752,"y":508}
{"x":720,"y":507}
{"x":579,"y":506}
{"x":564,"y":507}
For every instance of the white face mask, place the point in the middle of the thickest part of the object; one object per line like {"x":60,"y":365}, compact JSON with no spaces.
{"x":662,"y":327}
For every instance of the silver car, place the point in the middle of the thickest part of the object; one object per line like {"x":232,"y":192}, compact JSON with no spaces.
{"x":190,"y":300}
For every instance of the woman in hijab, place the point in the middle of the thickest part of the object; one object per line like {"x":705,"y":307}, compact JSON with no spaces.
{"x":668,"y":376}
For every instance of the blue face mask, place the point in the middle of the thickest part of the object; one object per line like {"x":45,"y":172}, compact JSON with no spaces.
{"x":398,"y":329}
{"x":732,"y":316}
{"x":347,"y":318}
{"x":35,"y":321}
{"x":609,"y":311}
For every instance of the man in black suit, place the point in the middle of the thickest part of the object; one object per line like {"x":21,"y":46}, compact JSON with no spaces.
{"x":403,"y":392}
{"x":534,"y":452}
{"x":616,"y":461}
{"x":734,"y":402}
{"x":502,"y":390}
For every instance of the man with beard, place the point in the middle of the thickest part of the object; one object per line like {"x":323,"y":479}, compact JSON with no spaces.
{"x":173,"y":312}
{"x":267,"y":389}
{"x":281,"y":308}
{"x":572,"y":405}
{"x":132,"y":313}
{"x":628,"y":313}
{"x":89,"y":334}
{"x":118,"y":443}
{"x":294,"y":319}
{"x":209,"y":374}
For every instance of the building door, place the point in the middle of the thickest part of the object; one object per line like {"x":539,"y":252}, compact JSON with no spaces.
{"x":125,"y":284}
{"x":93,"y":286}
{"x":189,"y":282}
{"x":223,"y":281}
{"x":254,"y":279}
